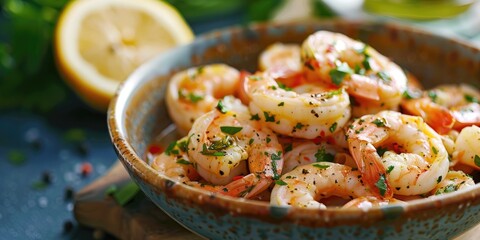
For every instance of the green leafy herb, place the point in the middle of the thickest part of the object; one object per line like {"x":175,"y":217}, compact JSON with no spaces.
{"x":280,"y":182}
{"x":477,"y":160}
{"x":321,"y":166}
{"x":276,"y":156}
{"x":289,"y":147}
{"x":211,"y":152}
{"x":16,"y":157}
{"x":330,"y":94}
{"x":322,"y":156}
{"x":432,"y":95}
{"x":333,"y":127}
{"x":125,"y":194}
{"x":171,"y":149}
{"x":194,"y":98}
{"x":251,"y":141}
{"x":434,"y":150}
{"x":255,"y":117}
{"x":39,"y":185}
{"x":183,"y":161}
{"x":381,"y":151}
{"x":220,"y":107}
{"x":284,"y":87}
{"x":268,"y":117}
{"x":408,"y":94}
{"x":384,"y":76}
{"x":381,"y":184}
{"x":366,"y":63}
{"x":299,"y":126}
{"x":183,"y":145}
{"x":359,"y":70}
{"x":230,"y":129}
{"x":439,"y":179}
{"x":470,"y":98}
{"x":338,"y":74}
{"x":379,"y":122}
{"x":390,"y":169}
{"x":75,"y":135}
{"x":281,"y":104}
{"x":447,"y":189}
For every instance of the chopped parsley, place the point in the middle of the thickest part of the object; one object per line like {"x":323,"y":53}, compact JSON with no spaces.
{"x":338,"y":74}
{"x":281,"y":104}
{"x":330,"y":94}
{"x":255,"y":117}
{"x":171,"y":149}
{"x":321,"y":166}
{"x":299,"y":126}
{"x":381,"y":151}
{"x":447,"y":189}
{"x":220,"y":107}
{"x":477,"y":160}
{"x":211,"y":152}
{"x":333,"y":127}
{"x":284,"y":87}
{"x":379,"y":122}
{"x":268,"y":117}
{"x":183,"y":161}
{"x":439,"y":179}
{"x":409,"y":95}
{"x":276,"y":157}
{"x":366,"y":63}
{"x":384,"y":76}
{"x":322,"y":156}
{"x":381,"y":184}
{"x":432,"y":95}
{"x":183,"y":145}
{"x":288,"y":148}
{"x":434,"y":150}
{"x":390,"y":169}
{"x":280,"y":182}
{"x":470,"y":98}
{"x":231,"y":130}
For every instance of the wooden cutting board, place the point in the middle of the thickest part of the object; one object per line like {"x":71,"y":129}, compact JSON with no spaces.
{"x":140,"y":218}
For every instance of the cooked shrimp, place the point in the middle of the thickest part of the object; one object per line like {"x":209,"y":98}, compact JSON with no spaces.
{"x":397,"y":153}
{"x":306,"y":185}
{"x":301,"y":153}
{"x":223,"y":140}
{"x":195,"y":91}
{"x":447,"y":107}
{"x":375,"y":82}
{"x":175,"y":164}
{"x":281,"y":60}
{"x":366,"y":203}
{"x":302,"y":115}
{"x":454,"y":181}
{"x":467,"y":147}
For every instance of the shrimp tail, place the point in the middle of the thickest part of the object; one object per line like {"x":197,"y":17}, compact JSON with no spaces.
{"x":371,"y":167}
{"x":437,"y":116}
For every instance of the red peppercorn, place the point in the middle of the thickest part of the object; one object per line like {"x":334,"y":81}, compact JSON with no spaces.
{"x":86,"y":169}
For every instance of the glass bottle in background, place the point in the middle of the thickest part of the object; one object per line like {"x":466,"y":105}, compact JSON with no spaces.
{"x":418,"y":9}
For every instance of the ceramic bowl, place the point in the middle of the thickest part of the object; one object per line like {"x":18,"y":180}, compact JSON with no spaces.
{"x":137,"y":116}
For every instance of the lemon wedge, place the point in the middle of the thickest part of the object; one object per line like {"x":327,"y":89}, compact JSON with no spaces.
{"x":99,"y":43}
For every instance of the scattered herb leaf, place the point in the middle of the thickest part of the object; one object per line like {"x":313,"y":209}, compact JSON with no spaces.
{"x":230,"y":129}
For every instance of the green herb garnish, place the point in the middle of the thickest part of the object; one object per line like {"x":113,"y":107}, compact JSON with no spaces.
{"x":338,"y":74}
{"x":220,"y":107}
{"x":322,"y":156}
{"x":255,"y":117}
{"x":432,"y":95}
{"x":183,"y":161}
{"x":384,"y":76}
{"x":333,"y":127}
{"x":390,"y":169}
{"x":321,"y":166}
{"x":470,"y":98}
{"x":381,"y":151}
{"x":280,"y":182}
{"x":477,"y":160}
{"x":381,"y":184}
{"x":171,"y":149}
{"x":230,"y":129}
{"x":379,"y":122}
{"x":268,"y":117}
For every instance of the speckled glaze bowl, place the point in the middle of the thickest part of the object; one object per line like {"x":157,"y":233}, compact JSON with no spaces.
{"x":138,"y":116}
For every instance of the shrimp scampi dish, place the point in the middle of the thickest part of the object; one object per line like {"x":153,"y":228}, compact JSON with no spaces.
{"x":327,"y":123}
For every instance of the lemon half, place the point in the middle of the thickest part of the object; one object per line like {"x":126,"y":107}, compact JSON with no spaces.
{"x":98,"y":43}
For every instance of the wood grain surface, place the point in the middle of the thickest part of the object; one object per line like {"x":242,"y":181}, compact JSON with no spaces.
{"x":140,"y":218}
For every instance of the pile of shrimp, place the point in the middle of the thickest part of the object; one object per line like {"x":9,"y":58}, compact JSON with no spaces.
{"x":328,"y":123}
